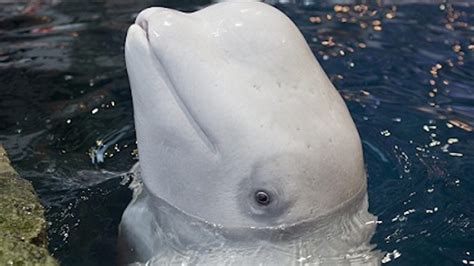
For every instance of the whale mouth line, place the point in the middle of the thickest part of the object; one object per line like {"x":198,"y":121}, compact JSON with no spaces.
{"x":143,"y":25}
{"x":203,"y":134}
{"x":190,"y":116}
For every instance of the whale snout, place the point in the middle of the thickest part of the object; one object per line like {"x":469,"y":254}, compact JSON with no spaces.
{"x":144,"y":17}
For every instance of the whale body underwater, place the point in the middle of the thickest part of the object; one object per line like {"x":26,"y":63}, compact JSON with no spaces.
{"x":248,"y":154}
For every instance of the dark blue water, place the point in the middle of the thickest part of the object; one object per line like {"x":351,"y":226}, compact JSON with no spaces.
{"x":405,"y":71}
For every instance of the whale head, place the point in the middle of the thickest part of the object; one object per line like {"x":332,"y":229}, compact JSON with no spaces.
{"x":237,"y":123}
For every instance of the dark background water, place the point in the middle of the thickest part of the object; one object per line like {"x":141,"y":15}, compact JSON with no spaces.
{"x":406,"y":72}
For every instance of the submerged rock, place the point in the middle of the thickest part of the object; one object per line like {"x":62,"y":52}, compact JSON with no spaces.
{"x":22,"y":224}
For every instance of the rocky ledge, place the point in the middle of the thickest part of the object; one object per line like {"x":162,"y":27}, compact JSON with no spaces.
{"x":22,"y":224}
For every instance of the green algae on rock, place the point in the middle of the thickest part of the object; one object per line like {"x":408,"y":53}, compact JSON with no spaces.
{"x":22,"y":224}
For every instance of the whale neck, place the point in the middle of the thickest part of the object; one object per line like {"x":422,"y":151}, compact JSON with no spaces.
{"x":343,"y":236}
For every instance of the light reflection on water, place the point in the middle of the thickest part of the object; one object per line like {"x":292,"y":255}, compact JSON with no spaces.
{"x":406,"y":73}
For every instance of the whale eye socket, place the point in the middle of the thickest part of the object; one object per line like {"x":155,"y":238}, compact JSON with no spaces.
{"x":262,"y":198}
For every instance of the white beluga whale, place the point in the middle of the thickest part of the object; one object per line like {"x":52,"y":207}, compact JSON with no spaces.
{"x":248,"y":154}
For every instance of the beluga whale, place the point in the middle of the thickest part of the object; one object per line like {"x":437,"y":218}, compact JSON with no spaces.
{"x":247,"y":153}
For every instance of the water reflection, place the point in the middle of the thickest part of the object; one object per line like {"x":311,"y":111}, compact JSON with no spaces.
{"x":404,"y":68}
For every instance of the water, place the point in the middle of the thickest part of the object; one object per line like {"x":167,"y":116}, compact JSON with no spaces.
{"x":406,"y":73}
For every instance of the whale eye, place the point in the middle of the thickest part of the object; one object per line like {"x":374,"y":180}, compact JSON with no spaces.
{"x":262,"y":198}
